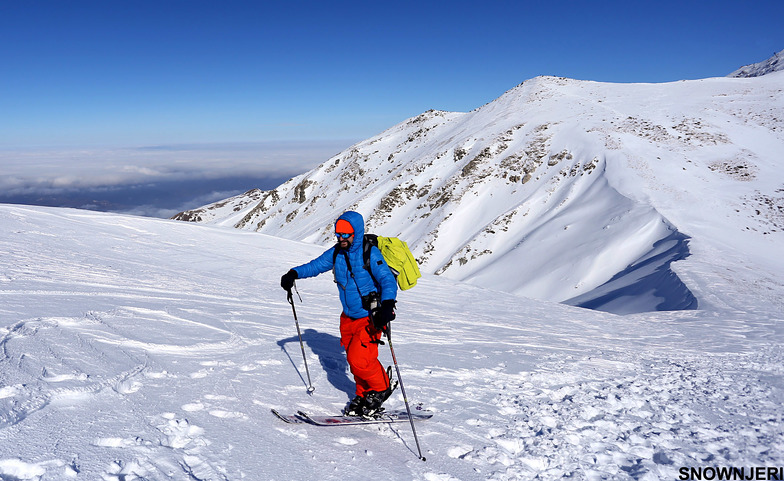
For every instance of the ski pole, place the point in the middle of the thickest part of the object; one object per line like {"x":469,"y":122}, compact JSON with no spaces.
{"x":403,"y":390}
{"x":290,"y":298}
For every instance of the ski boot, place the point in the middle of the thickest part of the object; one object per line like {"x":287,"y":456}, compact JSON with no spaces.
{"x":374,"y":399}
{"x":356,"y":407}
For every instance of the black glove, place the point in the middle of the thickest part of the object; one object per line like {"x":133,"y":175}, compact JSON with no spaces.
{"x":385,"y":314}
{"x":287,"y":281}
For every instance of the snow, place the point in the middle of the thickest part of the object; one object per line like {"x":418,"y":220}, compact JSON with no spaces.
{"x":580,"y":184}
{"x":773,"y":64}
{"x":134,"y":348}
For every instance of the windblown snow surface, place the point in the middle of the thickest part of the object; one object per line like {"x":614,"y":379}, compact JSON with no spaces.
{"x":144,"y":349}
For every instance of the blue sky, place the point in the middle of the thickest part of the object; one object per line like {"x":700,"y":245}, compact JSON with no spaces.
{"x":135,"y":73}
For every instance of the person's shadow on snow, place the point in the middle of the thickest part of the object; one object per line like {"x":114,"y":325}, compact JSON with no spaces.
{"x":330,"y":354}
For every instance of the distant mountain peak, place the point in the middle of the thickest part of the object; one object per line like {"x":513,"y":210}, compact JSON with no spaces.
{"x":773,"y":64}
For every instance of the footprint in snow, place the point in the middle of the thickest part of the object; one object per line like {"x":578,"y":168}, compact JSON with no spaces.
{"x":180,"y":433}
{"x":128,"y":386}
{"x":459,"y":452}
{"x":298,"y":433}
{"x":201,"y":374}
{"x":439,"y":477}
{"x":120,"y":471}
{"x":18,"y":469}
{"x":219,"y":397}
{"x":218,"y":363}
{"x":119,"y":442}
{"x":347,"y":441}
{"x":219,"y":413}
{"x":9,"y":391}
{"x":193,"y":407}
{"x":48,"y":376}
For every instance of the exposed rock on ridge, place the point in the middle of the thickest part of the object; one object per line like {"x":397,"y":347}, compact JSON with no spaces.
{"x":551,"y":164}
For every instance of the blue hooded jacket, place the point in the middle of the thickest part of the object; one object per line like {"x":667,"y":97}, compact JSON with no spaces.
{"x":355,"y":283}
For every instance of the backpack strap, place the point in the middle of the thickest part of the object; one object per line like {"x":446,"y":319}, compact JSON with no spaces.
{"x":334,"y":258}
{"x":335,"y":254}
{"x":368,"y":241}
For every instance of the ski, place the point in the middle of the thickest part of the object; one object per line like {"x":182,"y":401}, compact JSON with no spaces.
{"x":387,"y":417}
{"x":291,"y":419}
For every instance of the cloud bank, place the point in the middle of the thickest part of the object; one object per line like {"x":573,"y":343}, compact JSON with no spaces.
{"x":158,"y":180}
{"x":55,"y":171}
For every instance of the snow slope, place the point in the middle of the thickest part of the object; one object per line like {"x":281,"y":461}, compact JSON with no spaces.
{"x":773,"y":64}
{"x":597,"y":192}
{"x":135,"y":348}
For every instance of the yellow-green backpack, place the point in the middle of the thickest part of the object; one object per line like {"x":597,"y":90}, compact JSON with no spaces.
{"x":397,"y":256}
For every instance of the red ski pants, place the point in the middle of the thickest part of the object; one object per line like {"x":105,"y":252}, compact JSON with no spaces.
{"x":356,"y":337}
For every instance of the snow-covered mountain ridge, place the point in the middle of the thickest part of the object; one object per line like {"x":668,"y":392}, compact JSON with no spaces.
{"x":574,"y":191}
{"x":773,"y":64}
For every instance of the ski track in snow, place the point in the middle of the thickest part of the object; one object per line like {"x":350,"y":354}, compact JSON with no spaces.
{"x":169,"y":371}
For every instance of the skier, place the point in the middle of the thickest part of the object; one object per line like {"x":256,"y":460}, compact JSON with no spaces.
{"x":368,"y":300}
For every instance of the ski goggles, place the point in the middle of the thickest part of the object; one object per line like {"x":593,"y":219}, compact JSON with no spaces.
{"x":344,"y":235}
